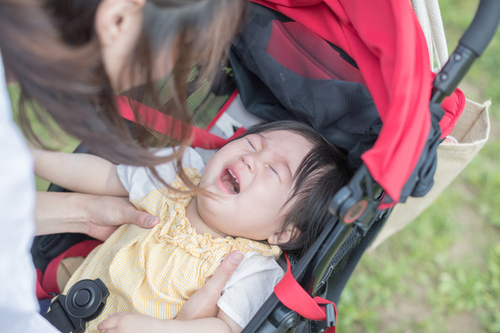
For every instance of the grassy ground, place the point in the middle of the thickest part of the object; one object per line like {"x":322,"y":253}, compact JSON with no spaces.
{"x":442,"y":273}
{"x":61,"y":141}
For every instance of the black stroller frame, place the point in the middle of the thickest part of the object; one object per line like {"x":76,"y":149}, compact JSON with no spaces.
{"x":356,"y":220}
{"x":327,"y":266}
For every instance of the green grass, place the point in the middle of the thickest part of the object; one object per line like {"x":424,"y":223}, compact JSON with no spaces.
{"x":61,"y":141}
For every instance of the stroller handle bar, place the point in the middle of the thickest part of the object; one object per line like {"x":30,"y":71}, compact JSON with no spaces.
{"x":471,"y":46}
{"x":357,"y":202}
{"x":483,"y":27}
{"x":355,"y":207}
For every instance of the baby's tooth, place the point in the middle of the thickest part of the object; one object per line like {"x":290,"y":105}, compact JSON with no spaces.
{"x":233,"y":175}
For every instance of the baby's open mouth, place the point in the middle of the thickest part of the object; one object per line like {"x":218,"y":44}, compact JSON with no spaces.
{"x":230,"y":181}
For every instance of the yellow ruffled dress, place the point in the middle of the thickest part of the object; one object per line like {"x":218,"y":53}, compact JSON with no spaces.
{"x":156,"y":271}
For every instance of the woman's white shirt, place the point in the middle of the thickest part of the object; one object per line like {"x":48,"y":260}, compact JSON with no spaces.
{"x":18,"y":303}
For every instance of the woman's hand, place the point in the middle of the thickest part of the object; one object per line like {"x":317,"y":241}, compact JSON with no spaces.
{"x":105,"y":214}
{"x":197,"y":315}
{"x":96,"y":216}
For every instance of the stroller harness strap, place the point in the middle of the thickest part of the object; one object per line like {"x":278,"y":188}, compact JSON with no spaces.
{"x":46,"y":283}
{"x":294,"y":297}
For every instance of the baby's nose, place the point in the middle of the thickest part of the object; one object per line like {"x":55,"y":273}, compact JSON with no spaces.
{"x":249,"y":161}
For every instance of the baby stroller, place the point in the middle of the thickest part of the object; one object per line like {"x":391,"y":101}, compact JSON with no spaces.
{"x":263,"y":84}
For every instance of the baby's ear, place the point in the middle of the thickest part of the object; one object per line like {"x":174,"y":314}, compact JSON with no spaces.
{"x":282,"y":237}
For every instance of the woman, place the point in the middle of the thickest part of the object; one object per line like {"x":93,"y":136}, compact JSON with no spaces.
{"x":133,"y":42}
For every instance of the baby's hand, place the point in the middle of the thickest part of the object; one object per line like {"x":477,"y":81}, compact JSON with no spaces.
{"x":130,"y":322}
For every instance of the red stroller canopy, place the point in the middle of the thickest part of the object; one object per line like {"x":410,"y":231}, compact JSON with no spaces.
{"x":385,"y":39}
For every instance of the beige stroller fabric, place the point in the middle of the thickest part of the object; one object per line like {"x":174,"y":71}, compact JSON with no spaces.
{"x":66,"y":268}
{"x":472,"y":130}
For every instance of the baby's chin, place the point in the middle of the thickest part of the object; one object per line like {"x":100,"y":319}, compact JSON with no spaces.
{"x":208,"y":205}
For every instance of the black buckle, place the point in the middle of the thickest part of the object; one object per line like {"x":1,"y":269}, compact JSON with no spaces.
{"x":330,"y":319}
{"x":83,"y":302}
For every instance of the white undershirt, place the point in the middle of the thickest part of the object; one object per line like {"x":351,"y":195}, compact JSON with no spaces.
{"x":18,"y":303}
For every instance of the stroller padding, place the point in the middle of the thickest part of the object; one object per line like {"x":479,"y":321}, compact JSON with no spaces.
{"x":386,"y":41}
{"x":295,"y":83}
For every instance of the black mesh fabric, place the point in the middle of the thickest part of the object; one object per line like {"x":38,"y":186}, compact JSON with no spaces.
{"x":348,"y":257}
{"x":342,"y":266}
{"x":306,"y":78}
{"x":338,"y":262}
{"x":205,"y":98}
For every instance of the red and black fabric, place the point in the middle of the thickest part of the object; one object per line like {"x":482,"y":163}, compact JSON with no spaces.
{"x":207,"y":102}
{"x":294,"y":297}
{"x":358,"y":71}
{"x":46,"y":247}
{"x":46,"y":283}
{"x":285,"y":71}
{"x":163,"y":123}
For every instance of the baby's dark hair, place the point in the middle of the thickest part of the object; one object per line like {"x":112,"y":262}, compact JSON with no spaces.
{"x":322,"y":172}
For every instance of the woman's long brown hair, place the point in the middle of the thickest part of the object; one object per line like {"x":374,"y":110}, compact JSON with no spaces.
{"x":54,"y":54}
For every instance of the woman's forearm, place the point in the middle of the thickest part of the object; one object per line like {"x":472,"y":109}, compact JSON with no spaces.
{"x":57,"y":212}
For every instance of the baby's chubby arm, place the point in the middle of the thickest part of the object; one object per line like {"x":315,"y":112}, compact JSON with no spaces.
{"x":82,"y":173}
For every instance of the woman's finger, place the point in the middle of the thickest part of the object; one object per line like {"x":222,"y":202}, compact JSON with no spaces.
{"x":224,"y":272}
{"x":203,"y":303}
{"x":141,"y":219}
